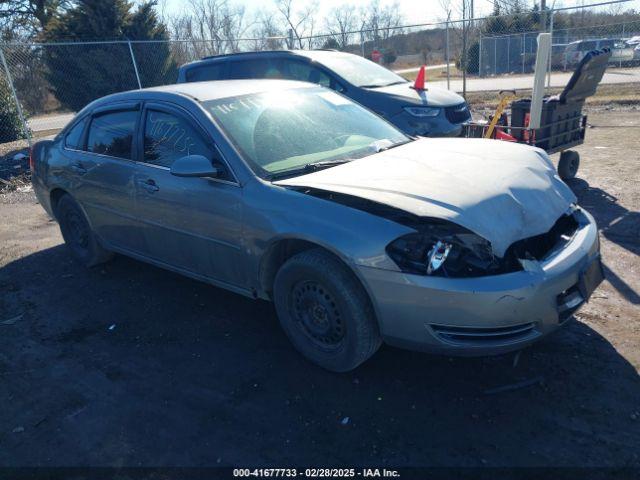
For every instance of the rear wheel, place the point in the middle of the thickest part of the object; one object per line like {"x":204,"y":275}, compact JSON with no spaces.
{"x":325,"y":311}
{"x":568,"y":164}
{"x":78,"y":235}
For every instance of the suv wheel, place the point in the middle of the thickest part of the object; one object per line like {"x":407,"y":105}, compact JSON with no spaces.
{"x":325,"y":311}
{"x":78,"y":235}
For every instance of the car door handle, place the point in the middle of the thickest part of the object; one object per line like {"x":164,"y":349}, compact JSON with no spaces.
{"x":149,"y":185}
{"x":78,"y":168}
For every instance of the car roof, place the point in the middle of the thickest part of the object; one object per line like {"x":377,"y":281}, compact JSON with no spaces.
{"x":216,"y":89}
{"x":316,"y":55}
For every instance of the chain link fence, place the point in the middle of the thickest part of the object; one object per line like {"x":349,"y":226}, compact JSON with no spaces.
{"x":516,"y":52}
{"x":42,"y":85}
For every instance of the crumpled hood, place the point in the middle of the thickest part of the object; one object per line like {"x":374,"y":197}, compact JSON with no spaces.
{"x":433,"y":96}
{"x":502,"y":191}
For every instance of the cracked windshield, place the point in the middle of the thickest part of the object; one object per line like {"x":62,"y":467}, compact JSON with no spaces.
{"x":285,"y":132}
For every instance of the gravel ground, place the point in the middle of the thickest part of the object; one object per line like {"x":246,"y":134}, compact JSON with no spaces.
{"x":129,"y":365}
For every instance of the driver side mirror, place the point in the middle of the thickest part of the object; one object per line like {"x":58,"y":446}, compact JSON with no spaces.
{"x":194,"y":166}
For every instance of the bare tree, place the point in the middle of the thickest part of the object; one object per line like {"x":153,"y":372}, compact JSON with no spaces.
{"x":268,"y":32}
{"x":390,"y":20}
{"x":211,"y":26}
{"x":300,"y":21}
{"x":30,"y":16}
{"x":381,"y":22}
{"x":340,"y":22}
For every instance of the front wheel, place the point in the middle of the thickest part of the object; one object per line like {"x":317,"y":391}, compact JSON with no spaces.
{"x":77,"y":233}
{"x":325,"y":311}
{"x":568,"y":164}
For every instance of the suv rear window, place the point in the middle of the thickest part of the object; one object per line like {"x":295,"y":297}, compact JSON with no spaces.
{"x":255,"y":68}
{"x":212,"y":71}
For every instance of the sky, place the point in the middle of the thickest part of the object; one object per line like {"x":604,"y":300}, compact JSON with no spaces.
{"x":415,"y":11}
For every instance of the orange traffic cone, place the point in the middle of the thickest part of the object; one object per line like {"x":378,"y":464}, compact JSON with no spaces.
{"x":419,"y":83}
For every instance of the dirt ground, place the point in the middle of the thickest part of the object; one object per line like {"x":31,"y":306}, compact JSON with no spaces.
{"x":130,"y":365}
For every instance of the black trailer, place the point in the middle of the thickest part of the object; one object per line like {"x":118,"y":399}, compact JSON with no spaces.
{"x":562,"y":123}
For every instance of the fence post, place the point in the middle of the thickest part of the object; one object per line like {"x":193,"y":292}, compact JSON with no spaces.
{"x":524,"y":49}
{"x":623,"y":39}
{"x":135,"y":65}
{"x":446,"y":51}
{"x":480,"y":54}
{"x":495,"y":55}
{"x":508,"y":54}
{"x":15,"y":96}
{"x":551,"y":49}
{"x":290,"y":40}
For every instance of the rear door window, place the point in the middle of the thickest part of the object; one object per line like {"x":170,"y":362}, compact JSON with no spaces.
{"x":589,"y":45}
{"x":112,"y":133}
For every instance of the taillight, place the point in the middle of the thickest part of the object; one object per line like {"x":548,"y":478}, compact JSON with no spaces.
{"x":31,"y":159}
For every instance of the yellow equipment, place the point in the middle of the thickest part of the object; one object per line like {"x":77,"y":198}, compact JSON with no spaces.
{"x":506,"y":96}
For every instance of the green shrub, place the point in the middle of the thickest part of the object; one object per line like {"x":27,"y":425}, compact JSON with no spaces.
{"x":389,"y":56}
{"x":11,"y":127}
{"x":472,"y":60}
{"x":79,"y":73}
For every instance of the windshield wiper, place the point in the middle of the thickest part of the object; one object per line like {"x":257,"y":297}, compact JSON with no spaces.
{"x":312,"y":167}
{"x":309,"y":167}
{"x":382,"y":149}
{"x":379,"y":85}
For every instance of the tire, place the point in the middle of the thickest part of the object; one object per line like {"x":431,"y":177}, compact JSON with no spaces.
{"x":325,"y":311}
{"x":568,"y":164}
{"x":77,"y":233}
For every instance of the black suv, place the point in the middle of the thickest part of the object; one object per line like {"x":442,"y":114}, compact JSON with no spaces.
{"x":432,"y":112}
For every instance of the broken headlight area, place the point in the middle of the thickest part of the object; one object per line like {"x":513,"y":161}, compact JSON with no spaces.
{"x":447,"y":250}
{"x":541,"y":246}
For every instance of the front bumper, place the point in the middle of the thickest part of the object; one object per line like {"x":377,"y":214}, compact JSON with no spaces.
{"x":486,"y":315}
{"x":438,"y":126}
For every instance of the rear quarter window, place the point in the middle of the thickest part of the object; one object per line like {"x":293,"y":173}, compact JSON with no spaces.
{"x":74,"y":139}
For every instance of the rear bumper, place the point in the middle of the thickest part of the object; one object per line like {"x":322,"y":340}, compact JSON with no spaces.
{"x":487,"y":315}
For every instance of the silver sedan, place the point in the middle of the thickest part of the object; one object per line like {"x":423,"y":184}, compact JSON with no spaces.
{"x":290,"y":192}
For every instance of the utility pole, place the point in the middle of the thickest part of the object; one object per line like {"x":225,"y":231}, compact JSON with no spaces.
{"x":543,"y":12}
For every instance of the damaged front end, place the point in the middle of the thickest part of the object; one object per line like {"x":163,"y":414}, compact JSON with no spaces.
{"x":442,"y":248}
{"x":445,"y":249}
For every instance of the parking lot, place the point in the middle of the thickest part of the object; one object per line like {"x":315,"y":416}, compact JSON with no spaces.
{"x":130,"y":365}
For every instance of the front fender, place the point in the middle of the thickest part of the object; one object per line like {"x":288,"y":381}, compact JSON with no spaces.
{"x":277,"y":213}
